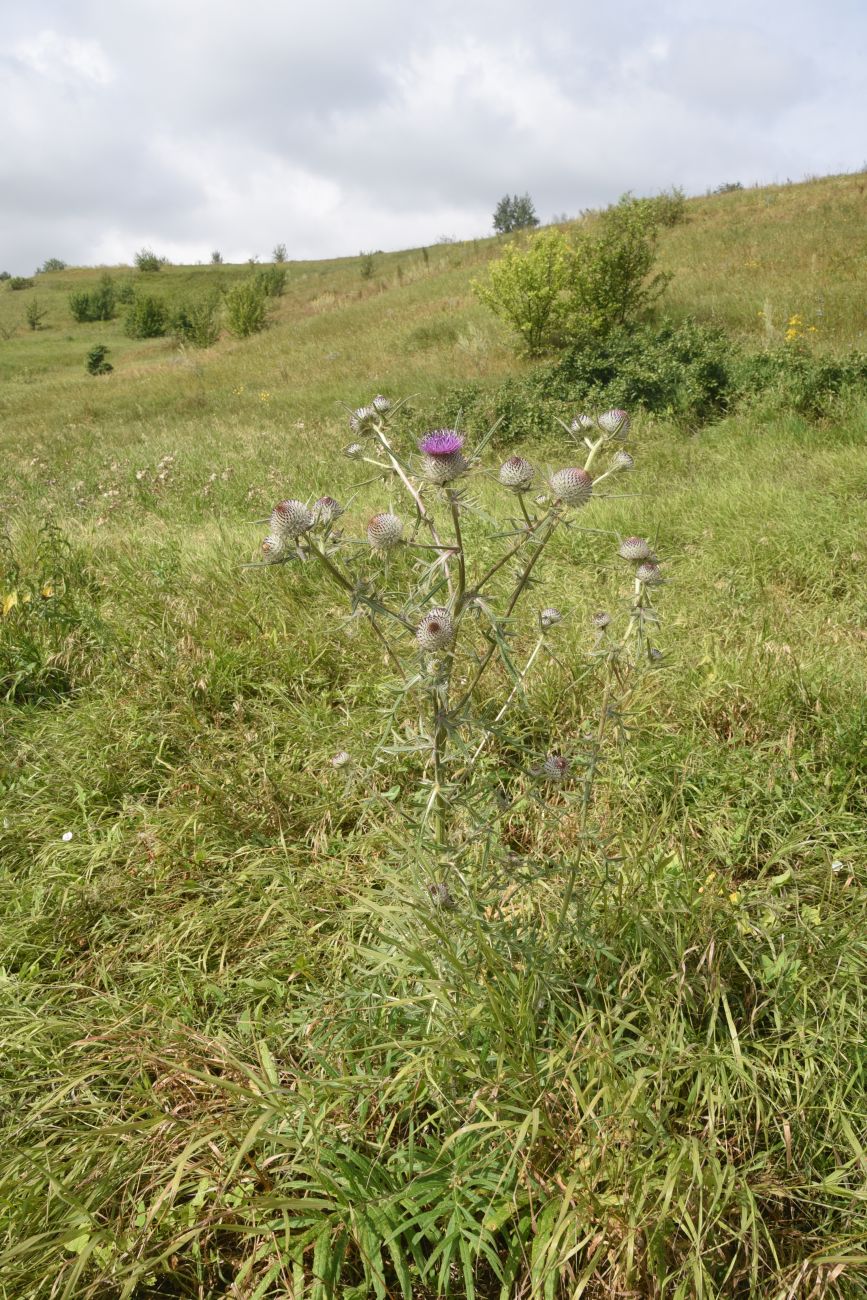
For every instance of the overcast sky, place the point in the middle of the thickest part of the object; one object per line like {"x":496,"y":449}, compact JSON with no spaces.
{"x":339,"y":125}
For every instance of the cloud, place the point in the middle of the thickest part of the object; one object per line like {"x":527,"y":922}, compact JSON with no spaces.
{"x":342,"y":126}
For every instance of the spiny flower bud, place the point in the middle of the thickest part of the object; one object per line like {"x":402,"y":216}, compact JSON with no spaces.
{"x":556,"y":767}
{"x":634,"y":548}
{"x":381,"y":404}
{"x":582,"y":423}
{"x":436,"y":630}
{"x":274,"y":549}
{"x":354,"y":450}
{"x":442,"y":469}
{"x":649,"y":573}
{"x":384,"y":531}
{"x":341,"y":758}
{"x":516,"y":473}
{"x":615,"y":423}
{"x":549,"y":618}
{"x":601,"y":619}
{"x":290,"y":519}
{"x":573,"y":487}
{"x":363,"y":419}
{"x":326,"y":510}
{"x":622,"y":461}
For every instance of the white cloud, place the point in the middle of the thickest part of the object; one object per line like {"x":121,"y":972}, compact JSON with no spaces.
{"x":340,"y":126}
{"x":64,"y":59}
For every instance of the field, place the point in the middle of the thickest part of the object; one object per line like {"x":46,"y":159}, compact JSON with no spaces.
{"x":243,"y":1055}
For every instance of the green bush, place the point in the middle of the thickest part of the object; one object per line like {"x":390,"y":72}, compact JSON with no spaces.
{"x":147,"y":260}
{"x":95,"y":363}
{"x":98,"y":304}
{"x":125,"y":292}
{"x":526,"y":288}
{"x":794,"y":379}
{"x":247,"y":308}
{"x":669,"y":206}
{"x":4,"y":275}
{"x":20,"y":282}
{"x":147,"y":318}
{"x":684,"y":371}
{"x":195,"y":324}
{"x":611,"y":280}
{"x":52,"y":264}
{"x":558,"y":289}
{"x":35,"y":314}
{"x":271,"y":280}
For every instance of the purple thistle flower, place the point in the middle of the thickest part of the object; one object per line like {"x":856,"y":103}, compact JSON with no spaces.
{"x":441,"y":442}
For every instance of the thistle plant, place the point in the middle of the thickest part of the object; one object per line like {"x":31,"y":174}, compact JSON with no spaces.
{"x":443,"y":585}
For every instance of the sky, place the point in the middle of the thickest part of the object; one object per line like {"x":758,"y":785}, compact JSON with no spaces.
{"x":336,"y":126}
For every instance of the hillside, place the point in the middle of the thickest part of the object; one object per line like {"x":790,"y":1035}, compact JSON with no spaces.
{"x":244,"y":1055}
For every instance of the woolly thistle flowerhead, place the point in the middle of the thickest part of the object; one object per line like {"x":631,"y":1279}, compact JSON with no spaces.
{"x":290,"y":519}
{"x":634,"y":548}
{"x":363,"y":419}
{"x":381,"y":404}
{"x":615,"y":423}
{"x":384,"y":531}
{"x":601,"y":619}
{"x":275,"y":549}
{"x":326,"y":510}
{"x":555,"y":767}
{"x":354,"y":450}
{"x":341,"y":759}
{"x":622,"y":461}
{"x":649,"y":573}
{"x":549,"y":618}
{"x":582,"y":424}
{"x":516,"y":473}
{"x":436,"y":631}
{"x":441,"y":442}
{"x":573,"y":487}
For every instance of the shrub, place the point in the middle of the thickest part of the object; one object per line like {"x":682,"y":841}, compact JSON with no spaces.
{"x":728,"y":187}
{"x":366,"y":265}
{"x":514,"y":212}
{"x":610,"y":274}
{"x":195,"y":324}
{"x":4,"y":275}
{"x":147,"y":318}
{"x":279,"y":254}
{"x":271,"y":280}
{"x":669,"y":206}
{"x":125,"y":292}
{"x":20,"y":282}
{"x":147,"y":260}
{"x":52,"y":264}
{"x":98,"y":304}
{"x":216,"y":258}
{"x":247,"y":308}
{"x":559,"y":288}
{"x":526,"y":288}
{"x":794,"y":379}
{"x":35,"y":314}
{"x":95,"y":362}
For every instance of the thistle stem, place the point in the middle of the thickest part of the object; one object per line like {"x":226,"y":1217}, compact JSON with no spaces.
{"x":552,"y":520}
{"x":459,"y":542}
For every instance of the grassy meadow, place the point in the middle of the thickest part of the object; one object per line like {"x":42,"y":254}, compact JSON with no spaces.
{"x":243,"y":1055}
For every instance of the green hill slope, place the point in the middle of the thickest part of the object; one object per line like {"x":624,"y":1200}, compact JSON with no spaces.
{"x":243,"y":1055}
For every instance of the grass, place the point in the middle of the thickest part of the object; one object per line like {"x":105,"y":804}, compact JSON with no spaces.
{"x":243,"y":1057}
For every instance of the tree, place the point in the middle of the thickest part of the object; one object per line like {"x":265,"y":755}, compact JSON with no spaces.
{"x":514,"y":212}
{"x":52,"y":264}
{"x":279,"y":254}
{"x":216,"y":258}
